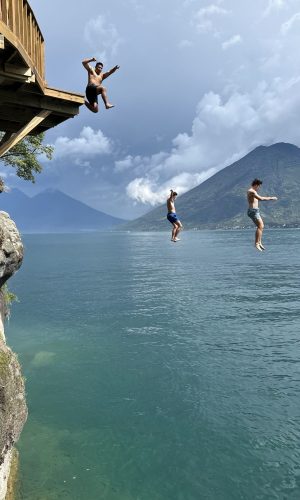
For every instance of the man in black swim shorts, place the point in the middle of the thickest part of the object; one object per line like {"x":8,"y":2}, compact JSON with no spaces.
{"x":94,"y":86}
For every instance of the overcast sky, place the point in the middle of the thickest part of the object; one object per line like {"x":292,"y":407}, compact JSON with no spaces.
{"x":200,"y":84}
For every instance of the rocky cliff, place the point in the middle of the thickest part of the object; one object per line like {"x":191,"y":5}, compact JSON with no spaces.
{"x":13,"y":410}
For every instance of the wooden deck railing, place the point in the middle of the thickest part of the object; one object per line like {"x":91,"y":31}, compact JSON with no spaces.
{"x":20,"y":19}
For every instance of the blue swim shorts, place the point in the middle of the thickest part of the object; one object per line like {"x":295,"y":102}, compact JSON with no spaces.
{"x":254,"y":214}
{"x":172,"y":217}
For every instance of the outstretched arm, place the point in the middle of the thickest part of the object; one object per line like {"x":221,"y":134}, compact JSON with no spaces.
{"x":264,"y":198}
{"x":110,"y":72}
{"x":86,"y":62}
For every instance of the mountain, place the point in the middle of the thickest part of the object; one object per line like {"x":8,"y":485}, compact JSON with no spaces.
{"x":53,"y":211}
{"x":220,"y":201}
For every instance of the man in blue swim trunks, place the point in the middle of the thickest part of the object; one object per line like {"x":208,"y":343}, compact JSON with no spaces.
{"x":172,"y":217}
{"x":253,"y":211}
{"x":94,"y":86}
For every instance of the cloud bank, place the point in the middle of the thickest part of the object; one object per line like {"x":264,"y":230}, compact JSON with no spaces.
{"x":102,"y":37}
{"x":224,"y":129}
{"x":89,"y":144}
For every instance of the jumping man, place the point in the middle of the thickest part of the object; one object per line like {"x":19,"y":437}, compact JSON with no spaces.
{"x":172,"y":217}
{"x":253,"y":211}
{"x":94,"y":86}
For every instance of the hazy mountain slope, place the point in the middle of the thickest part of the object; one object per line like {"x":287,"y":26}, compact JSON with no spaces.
{"x":220,"y":202}
{"x":54,"y":211}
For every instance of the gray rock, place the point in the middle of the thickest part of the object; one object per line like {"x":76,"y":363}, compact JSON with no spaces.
{"x":11,"y":248}
{"x":13,"y":410}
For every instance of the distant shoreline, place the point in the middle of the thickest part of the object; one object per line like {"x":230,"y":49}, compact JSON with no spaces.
{"x":116,"y":231}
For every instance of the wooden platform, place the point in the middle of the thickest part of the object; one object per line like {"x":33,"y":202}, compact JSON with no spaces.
{"x":27,"y":104}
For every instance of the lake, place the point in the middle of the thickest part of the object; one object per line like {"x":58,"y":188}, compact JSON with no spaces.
{"x":158,"y":370}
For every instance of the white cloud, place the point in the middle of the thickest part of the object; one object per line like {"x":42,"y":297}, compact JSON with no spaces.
{"x":103,"y":38}
{"x":89,"y":144}
{"x":203,"y":18}
{"x":211,"y":10}
{"x":184,"y":44}
{"x":274,"y":5}
{"x":127,"y":163}
{"x":223,"y":131}
{"x":288,"y":25}
{"x":146,"y":190}
{"x":234,"y":40}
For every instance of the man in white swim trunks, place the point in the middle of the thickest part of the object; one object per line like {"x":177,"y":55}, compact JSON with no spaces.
{"x":253,"y":211}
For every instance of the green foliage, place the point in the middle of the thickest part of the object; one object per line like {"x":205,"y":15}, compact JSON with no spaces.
{"x":8,"y":298}
{"x":24,"y":157}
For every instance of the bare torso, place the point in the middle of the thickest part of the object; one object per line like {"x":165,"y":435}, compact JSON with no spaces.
{"x":253,"y":202}
{"x":171,"y":206}
{"x":93,"y":78}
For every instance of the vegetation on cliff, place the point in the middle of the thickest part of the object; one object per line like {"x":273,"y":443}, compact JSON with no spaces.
{"x":25,"y":156}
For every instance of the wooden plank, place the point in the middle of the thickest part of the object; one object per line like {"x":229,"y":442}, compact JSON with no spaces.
{"x":25,"y":23}
{"x":16,"y":119}
{"x":22,"y":28}
{"x":39,"y":65}
{"x":4,"y":11}
{"x":12,"y":16}
{"x":39,"y":102}
{"x":18,"y":70}
{"x":16,"y":138}
{"x":14,"y":77}
{"x":18,"y":18}
{"x":30,"y":37}
{"x":23,"y":53}
{"x":65,"y":95}
{"x":43,"y":60}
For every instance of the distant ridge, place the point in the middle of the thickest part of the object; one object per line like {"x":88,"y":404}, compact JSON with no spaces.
{"x":220,"y":202}
{"x":54,"y":211}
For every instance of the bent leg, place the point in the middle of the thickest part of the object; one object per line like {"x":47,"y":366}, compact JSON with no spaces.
{"x":102,"y":91}
{"x":92,"y":107}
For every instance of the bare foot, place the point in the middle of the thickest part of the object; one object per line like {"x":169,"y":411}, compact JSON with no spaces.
{"x":257,"y":246}
{"x":108,"y":106}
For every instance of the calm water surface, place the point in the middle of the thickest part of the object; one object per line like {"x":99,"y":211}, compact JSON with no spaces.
{"x":160,"y":371}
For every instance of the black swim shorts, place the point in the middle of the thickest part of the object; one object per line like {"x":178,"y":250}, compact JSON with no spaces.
{"x":91,"y":93}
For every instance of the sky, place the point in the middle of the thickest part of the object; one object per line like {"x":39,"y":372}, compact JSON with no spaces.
{"x":200,"y":85}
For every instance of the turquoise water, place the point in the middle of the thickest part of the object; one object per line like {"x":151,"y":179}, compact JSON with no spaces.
{"x":160,"y":371}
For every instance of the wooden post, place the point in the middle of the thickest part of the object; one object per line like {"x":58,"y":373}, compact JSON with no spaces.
{"x":12,"y":15}
{"x":4,"y":148}
{"x":4,"y":11}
